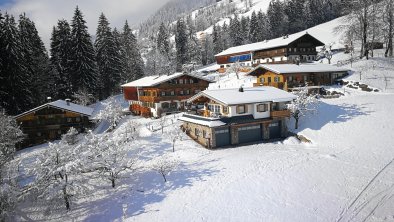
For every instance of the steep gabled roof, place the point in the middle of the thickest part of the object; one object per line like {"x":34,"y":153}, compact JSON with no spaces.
{"x":249,"y":95}
{"x":62,"y":104}
{"x":155,"y":80}
{"x":267,"y":44}
{"x":302,"y":68}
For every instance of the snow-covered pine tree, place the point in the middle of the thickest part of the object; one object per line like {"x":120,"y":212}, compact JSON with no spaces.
{"x":37,"y":61}
{"x":225,"y":35}
{"x":83,"y":65}
{"x":277,"y":18}
{"x":133,"y":63}
{"x":60,"y":58}
{"x":389,"y":21}
{"x":296,"y":16}
{"x":245,"y":20}
{"x":163,"y":41}
{"x":16,"y":95}
{"x":108,"y":59}
{"x":254,"y":28}
{"x":264,"y":27}
{"x":181,"y":42}
{"x":236,"y":34}
{"x":193,"y":44}
{"x":217,"y":39}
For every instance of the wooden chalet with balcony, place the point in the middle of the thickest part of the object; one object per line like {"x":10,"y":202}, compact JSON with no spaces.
{"x":237,"y":116}
{"x":153,"y":96}
{"x":298,"y":47}
{"x":288,"y":76}
{"x":49,"y":121}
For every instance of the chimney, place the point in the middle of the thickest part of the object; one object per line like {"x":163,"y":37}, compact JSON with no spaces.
{"x":241,"y":89}
{"x":49,"y":99}
{"x":68,"y":102}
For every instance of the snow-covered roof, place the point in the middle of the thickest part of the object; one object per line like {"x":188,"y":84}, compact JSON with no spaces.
{"x":302,"y":68}
{"x":62,"y":104}
{"x":267,"y":44}
{"x":155,"y":80}
{"x":202,"y":121}
{"x":249,"y":95}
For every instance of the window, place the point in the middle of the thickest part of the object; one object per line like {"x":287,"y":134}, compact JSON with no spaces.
{"x":191,"y":81}
{"x":276,"y":78}
{"x":181,"y":81}
{"x":305,"y":78}
{"x":262,"y":108}
{"x":163,"y":93}
{"x":196,"y":132}
{"x":78,"y":119}
{"x":181,"y":92}
{"x":175,"y":81}
{"x":269,"y":79}
{"x":262,"y":79}
{"x":172,"y":93}
{"x":187,"y":92}
{"x":241,"y":109}
{"x":197,"y":91}
{"x":38,"y":134}
{"x":204,"y":134}
{"x":225,"y":109}
{"x":214,"y":108}
{"x":69,"y":120}
{"x":59,"y":132}
{"x":290,"y":78}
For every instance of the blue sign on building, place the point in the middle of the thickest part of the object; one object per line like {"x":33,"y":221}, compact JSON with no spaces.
{"x":240,"y":58}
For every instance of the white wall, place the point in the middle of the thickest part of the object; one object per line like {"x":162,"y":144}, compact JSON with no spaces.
{"x":261,"y":115}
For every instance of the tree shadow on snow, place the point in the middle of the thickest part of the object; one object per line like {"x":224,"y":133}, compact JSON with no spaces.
{"x":149,"y":188}
{"x":327,"y":113}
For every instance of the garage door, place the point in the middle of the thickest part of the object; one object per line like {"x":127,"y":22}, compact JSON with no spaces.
{"x":274,"y":129}
{"x":249,"y":134}
{"x":222,"y":137}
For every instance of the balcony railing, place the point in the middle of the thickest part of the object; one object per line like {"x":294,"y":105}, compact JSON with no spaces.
{"x":280,"y":113}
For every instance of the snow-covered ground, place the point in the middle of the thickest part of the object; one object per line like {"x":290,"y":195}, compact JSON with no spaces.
{"x":344,"y":174}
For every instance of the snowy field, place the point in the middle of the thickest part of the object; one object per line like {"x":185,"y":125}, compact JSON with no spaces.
{"x":345,"y":174}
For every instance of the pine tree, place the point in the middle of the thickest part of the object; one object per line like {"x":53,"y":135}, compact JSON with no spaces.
{"x":108,"y":59}
{"x":15,"y":86}
{"x":37,"y":61}
{"x":181,"y":44}
{"x":245,"y":20}
{"x":254,"y":28}
{"x":236,"y":31}
{"x":217,"y":40}
{"x":225,"y":35}
{"x":133,"y":63}
{"x":296,"y":16}
{"x":60,"y":58}
{"x":118,"y":46}
{"x":83,"y":66}
{"x":277,"y":18}
{"x":163,"y":43}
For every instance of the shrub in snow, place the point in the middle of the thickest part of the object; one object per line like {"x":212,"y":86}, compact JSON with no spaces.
{"x":58,"y":174}
{"x":112,"y":113}
{"x":71,"y":137}
{"x":10,"y":135}
{"x":164,"y":165}
{"x":174,"y":133}
{"x":110,"y":156}
{"x":83,"y":98}
{"x":303,"y":104}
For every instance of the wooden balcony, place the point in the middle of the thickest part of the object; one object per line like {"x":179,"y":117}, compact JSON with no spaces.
{"x":280,"y":114}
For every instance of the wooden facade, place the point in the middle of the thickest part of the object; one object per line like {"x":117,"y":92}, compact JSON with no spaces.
{"x":287,"y":81}
{"x":166,"y":97}
{"x":302,"y":49}
{"x":49,"y":123}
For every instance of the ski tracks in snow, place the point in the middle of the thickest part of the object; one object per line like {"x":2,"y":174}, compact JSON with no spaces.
{"x":366,"y":198}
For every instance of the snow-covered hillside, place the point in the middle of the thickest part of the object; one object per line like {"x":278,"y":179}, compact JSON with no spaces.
{"x":344,"y":174}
